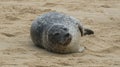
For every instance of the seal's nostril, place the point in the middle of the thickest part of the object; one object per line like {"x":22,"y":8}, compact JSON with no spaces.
{"x":67,"y":35}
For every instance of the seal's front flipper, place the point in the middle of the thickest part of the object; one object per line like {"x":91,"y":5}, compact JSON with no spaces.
{"x":88,"y":31}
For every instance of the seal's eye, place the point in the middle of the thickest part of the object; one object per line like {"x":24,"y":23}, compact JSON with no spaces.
{"x":56,"y":33}
{"x":65,"y":29}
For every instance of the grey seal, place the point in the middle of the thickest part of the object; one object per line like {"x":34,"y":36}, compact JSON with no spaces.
{"x":58,"y":32}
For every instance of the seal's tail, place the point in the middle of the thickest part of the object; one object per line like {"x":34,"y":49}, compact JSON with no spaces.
{"x":88,"y":31}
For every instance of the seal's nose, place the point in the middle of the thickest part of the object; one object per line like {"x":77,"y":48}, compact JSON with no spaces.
{"x":67,"y":39}
{"x":67,"y":35}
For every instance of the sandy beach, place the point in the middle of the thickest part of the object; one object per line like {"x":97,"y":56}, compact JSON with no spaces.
{"x":102,"y":48}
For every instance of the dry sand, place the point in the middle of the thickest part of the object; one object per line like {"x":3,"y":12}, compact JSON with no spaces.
{"x":17,"y":49}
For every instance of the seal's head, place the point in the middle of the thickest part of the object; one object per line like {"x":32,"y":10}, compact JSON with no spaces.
{"x":58,"y":34}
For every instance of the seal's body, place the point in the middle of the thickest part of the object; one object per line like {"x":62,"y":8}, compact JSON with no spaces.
{"x":58,"y":32}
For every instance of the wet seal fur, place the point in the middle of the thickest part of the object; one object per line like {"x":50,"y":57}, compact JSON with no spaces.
{"x":58,"y":32}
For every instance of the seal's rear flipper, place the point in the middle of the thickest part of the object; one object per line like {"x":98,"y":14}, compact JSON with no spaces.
{"x":88,"y":31}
